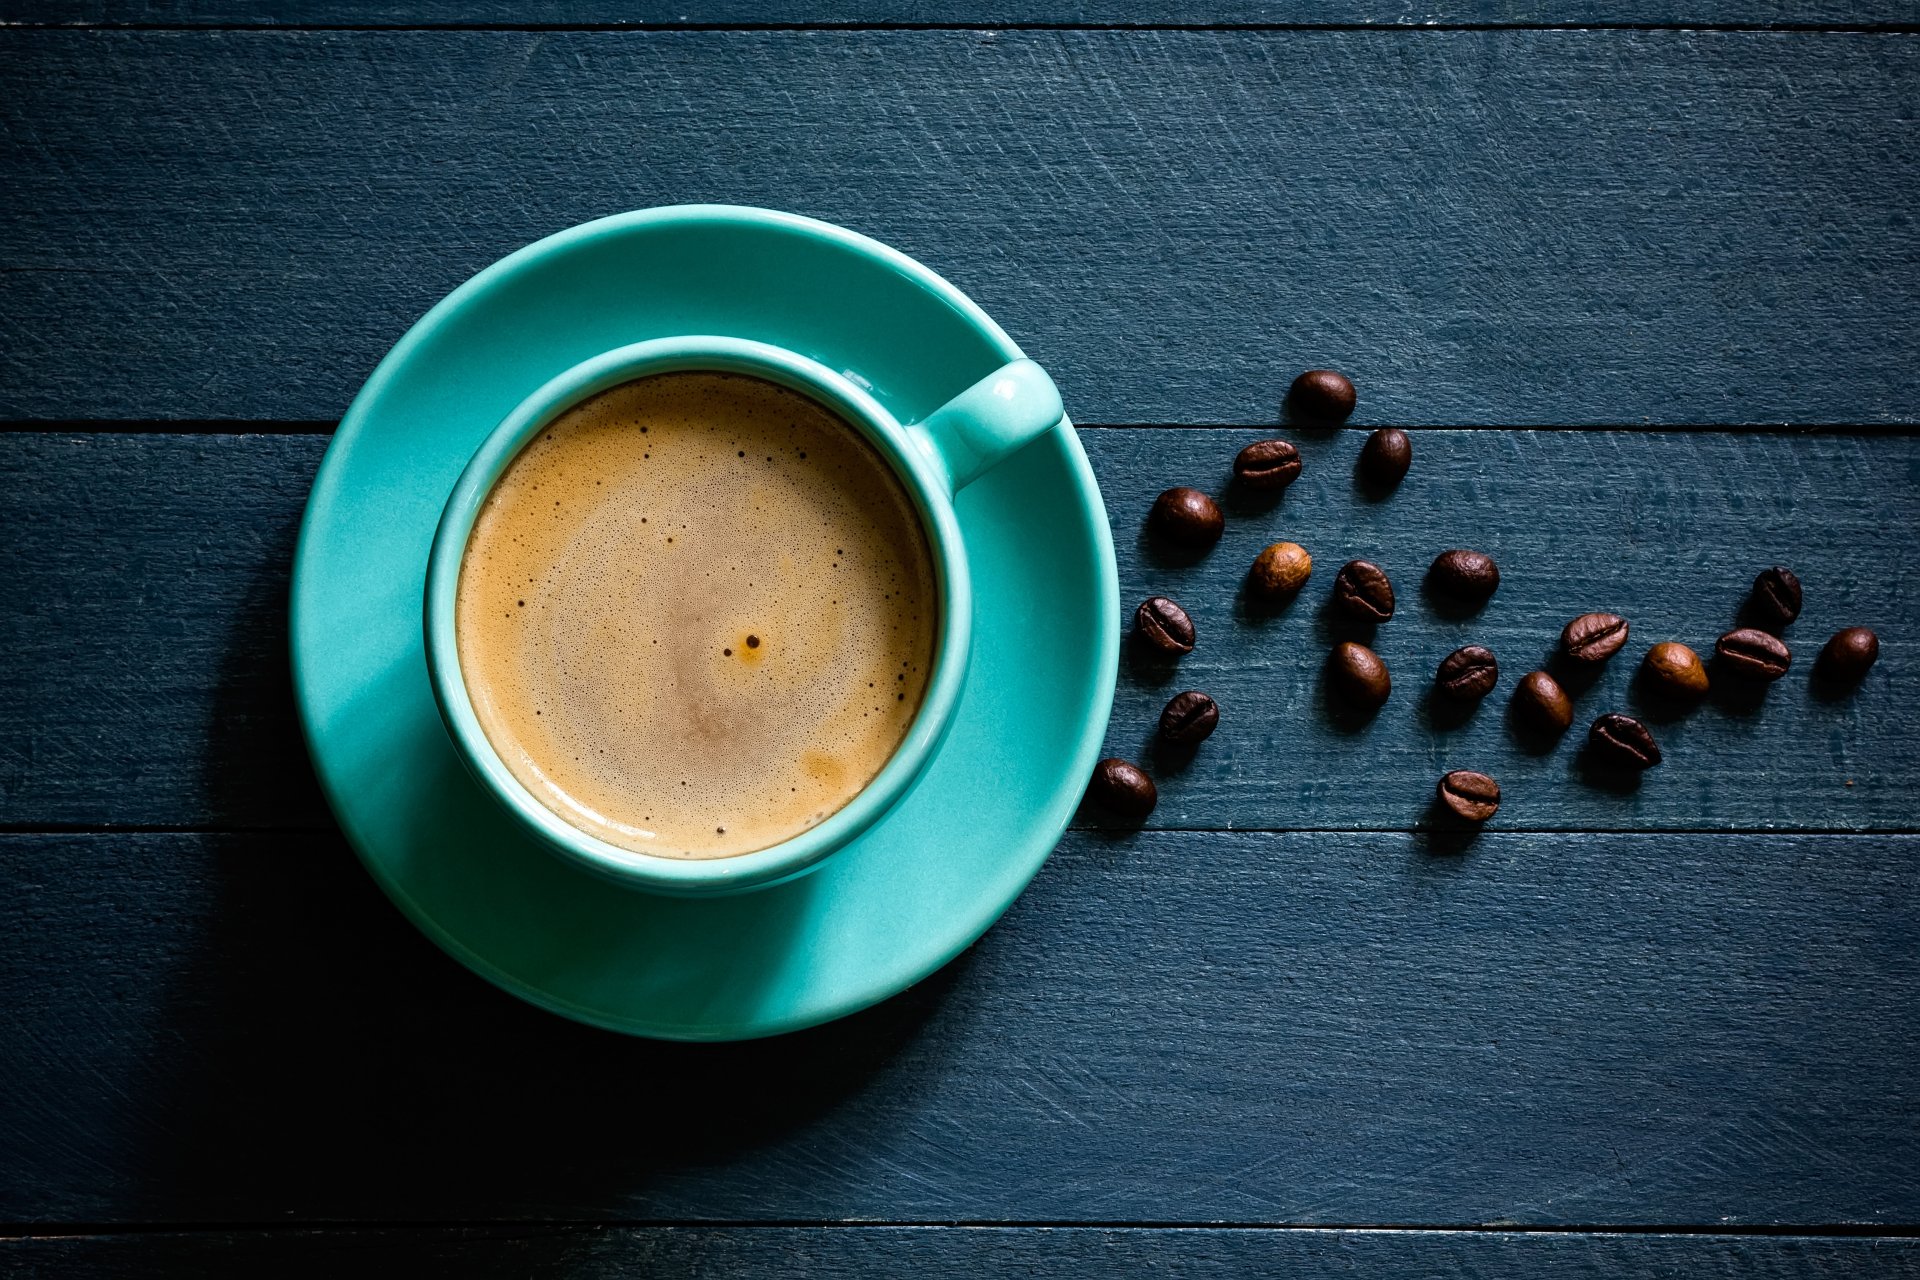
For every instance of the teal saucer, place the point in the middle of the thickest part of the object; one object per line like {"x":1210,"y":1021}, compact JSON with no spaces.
{"x":890,"y":908}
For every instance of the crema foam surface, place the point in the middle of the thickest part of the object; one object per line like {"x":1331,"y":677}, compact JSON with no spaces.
{"x":697,"y":615}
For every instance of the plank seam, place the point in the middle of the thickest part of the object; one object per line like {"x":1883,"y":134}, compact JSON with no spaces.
{"x":16,"y":1231}
{"x":1384,"y":28}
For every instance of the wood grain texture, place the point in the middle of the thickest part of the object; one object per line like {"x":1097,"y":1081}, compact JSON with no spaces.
{"x":972,"y":13}
{"x":1036,"y":1253}
{"x":143,"y":637}
{"x":1168,"y":1027}
{"x":1507,"y":227}
{"x":143,"y":676}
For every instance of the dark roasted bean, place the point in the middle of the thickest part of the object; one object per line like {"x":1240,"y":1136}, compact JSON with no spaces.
{"x":1469,"y":577}
{"x":1848,"y":655}
{"x":1467,"y":674}
{"x":1190,"y":718}
{"x":1267,"y":465}
{"x":1164,"y":626}
{"x":1385,"y":457}
{"x":1541,"y":705}
{"x":1754,"y":654}
{"x":1362,"y":592}
{"x":1776,"y":597}
{"x":1469,"y":796}
{"x":1594,"y":637}
{"x":1359,"y":676}
{"x":1123,"y":790}
{"x":1621,"y":742}
{"x":1187,"y":517}
{"x":1322,"y":396}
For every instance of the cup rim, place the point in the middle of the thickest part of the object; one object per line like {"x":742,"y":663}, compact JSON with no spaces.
{"x":919,"y":475}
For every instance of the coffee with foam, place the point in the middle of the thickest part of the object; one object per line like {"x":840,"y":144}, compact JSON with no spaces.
{"x":697,"y":615}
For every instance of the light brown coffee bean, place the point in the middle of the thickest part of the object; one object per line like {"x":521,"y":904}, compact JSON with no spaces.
{"x":1279,"y":572}
{"x":1676,"y":670}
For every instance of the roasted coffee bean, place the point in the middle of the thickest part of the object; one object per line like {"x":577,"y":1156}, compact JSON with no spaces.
{"x":1164,"y":626}
{"x":1470,"y":577}
{"x":1776,"y":597}
{"x":1359,"y":676}
{"x":1267,"y":465}
{"x":1542,"y":705}
{"x":1676,"y":670}
{"x":1621,"y":742}
{"x":1190,"y":718}
{"x":1361,"y":592}
{"x":1321,"y":395}
{"x":1279,"y":572}
{"x":1467,"y":674}
{"x":1385,"y":457}
{"x":1847,"y":656}
{"x":1469,"y":796}
{"x":1187,"y":517}
{"x":1122,"y":790}
{"x":1754,"y":654}
{"x":1594,"y":637}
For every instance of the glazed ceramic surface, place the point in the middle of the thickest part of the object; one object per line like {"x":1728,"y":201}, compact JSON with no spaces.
{"x":888,"y":909}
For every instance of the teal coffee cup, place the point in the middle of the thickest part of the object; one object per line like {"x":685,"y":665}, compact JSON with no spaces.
{"x":933,"y":459}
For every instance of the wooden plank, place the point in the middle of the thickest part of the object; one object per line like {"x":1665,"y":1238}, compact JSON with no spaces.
{"x":142,"y":676}
{"x":1040,"y":1253}
{"x":143,"y":649}
{"x":973,"y":13}
{"x":1306,"y":1029}
{"x":1509,"y":227}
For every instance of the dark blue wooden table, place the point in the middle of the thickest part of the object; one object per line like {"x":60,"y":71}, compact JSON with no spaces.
{"x":1648,"y":294}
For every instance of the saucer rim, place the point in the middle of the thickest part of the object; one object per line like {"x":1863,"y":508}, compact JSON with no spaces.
{"x":1051,"y":822}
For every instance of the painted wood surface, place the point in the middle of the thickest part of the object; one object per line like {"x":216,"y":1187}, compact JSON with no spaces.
{"x":1676,"y":1016}
{"x":974,"y":13}
{"x":143,"y":678}
{"x":1168,"y":1027}
{"x":1506,"y":227}
{"x":1037,"y":1253}
{"x":143,"y":638}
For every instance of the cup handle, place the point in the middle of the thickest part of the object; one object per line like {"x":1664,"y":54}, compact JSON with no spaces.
{"x":973,"y":432}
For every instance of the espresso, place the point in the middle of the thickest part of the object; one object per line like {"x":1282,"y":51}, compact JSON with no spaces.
{"x":697,"y":615}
